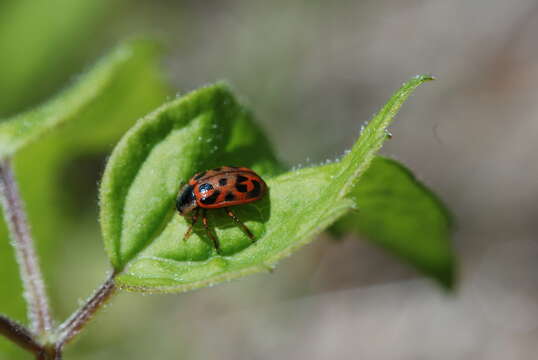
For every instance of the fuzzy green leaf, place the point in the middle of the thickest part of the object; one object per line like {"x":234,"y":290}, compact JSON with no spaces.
{"x":400,"y":214}
{"x":208,"y":128}
{"x":21,"y":130}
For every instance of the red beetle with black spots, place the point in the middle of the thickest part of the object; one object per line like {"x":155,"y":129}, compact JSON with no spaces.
{"x":219,"y":188}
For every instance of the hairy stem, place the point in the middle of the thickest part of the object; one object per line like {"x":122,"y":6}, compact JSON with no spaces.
{"x":72,"y":326}
{"x":34,"y":288}
{"x":20,"y":335}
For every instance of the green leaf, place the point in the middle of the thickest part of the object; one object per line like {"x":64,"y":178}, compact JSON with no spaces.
{"x":21,"y":130}
{"x":399,"y":213}
{"x":203,"y":130}
{"x":208,"y":128}
{"x":92,"y":132}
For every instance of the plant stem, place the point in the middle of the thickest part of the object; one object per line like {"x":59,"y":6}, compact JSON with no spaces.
{"x":34,"y":288}
{"x":72,"y":326}
{"x":19,"y":334}
{"x":48,"y":353}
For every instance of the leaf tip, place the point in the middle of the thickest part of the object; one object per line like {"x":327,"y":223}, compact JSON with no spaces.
{"x":220,"y":85}
{"x":447,"y":277}
{"x":425,"y":77}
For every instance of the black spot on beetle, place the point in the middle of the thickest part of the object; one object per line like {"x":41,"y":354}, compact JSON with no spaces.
{"x":200,"y":175}
{"x":223,"y":181}
{"x":256,"y":191}
{"x":230,"y":197}
{"x":241,"y":187}
{"x":241,"y":178}
{"x":205,"y":188}
{"x":217,"y":169}
{"x":211,"y":199}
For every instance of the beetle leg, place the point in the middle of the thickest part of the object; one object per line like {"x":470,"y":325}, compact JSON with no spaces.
{"x":193,"y":222}
{"x":238,"y":222}
{"x":209,"y":233}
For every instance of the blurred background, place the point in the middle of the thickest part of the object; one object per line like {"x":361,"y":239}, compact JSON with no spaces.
{"x":313,"y":72}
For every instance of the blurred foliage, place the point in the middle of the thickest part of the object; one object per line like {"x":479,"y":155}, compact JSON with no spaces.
{"x":21,"y":130}
{"x":92,"y":130}
{"x":40,"y":48}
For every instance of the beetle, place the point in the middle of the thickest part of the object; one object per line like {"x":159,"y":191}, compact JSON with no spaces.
{"x":219,"y":188}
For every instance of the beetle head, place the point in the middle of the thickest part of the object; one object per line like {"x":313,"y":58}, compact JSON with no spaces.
{"x":186,"y":201}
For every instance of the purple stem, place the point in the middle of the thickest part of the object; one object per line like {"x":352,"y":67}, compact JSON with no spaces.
{"x":34,"y":288}
{"x":72,"y":326}
{"x":19,"y":335}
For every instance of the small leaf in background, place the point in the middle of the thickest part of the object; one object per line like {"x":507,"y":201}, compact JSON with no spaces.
{"x":21,"y":130}
{"x":400,"y":214}
{"x":205,"y":129}
{"x":131,"y":90}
